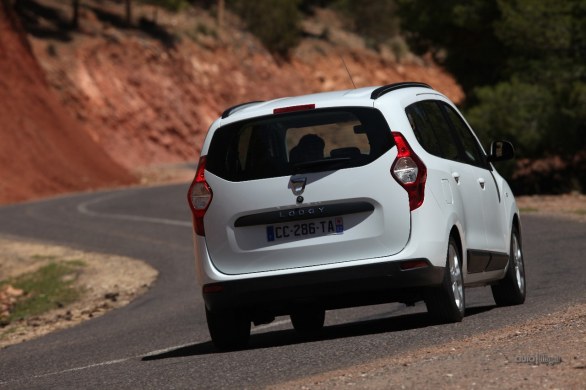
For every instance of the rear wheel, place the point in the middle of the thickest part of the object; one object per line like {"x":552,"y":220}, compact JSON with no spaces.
{"x":308,"y":321}
{"x":447,"y":303}
{"x":229,"y":329}
{"x":511,"y":290}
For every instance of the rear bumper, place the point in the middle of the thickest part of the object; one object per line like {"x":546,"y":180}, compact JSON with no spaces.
{"x":330,"y":289}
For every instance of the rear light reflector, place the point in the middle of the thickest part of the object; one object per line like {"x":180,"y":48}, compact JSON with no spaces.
{"x":301,"y":107}
{"x":413,"y":264}
{"x":212,"y":288}
{"x":409,"y":171}
{"x":199,"y":197}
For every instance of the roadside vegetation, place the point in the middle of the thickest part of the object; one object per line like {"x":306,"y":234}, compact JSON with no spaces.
{"x":35,"y":293}
{"x":44,"y":287}
{"x":522,"y":65}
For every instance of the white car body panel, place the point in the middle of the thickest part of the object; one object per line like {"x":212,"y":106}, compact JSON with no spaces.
{"x":241,"y":250}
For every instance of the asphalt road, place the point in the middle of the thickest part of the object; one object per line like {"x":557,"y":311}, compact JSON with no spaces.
{"x":161,"y":341}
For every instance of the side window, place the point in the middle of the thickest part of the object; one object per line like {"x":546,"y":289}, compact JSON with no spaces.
{"x":471,"y":152}
{"x":422,"y":129}
{"x":432,"y":130}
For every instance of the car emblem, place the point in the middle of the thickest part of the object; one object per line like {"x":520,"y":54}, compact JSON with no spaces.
{"x":297,"y":185}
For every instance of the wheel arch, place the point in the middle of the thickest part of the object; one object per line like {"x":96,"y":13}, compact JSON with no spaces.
{"x":517,"y":224}
{"x":455,"y":232}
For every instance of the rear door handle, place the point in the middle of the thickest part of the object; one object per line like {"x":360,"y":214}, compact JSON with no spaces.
{"x":481,"y":182}
{"x":456,"y":177}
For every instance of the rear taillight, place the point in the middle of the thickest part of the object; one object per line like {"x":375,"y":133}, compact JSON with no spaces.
{"x":199,"y":197}
{"x":409,"y":171}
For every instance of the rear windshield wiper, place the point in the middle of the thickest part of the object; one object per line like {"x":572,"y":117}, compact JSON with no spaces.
{"x":308,"y":165}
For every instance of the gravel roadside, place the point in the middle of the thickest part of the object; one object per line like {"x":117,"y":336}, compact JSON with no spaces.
{"x":546,"y":353}
{"x":107,"y":282}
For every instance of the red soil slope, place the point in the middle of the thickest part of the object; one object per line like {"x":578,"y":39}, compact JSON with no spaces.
{"x":43,"y":151}
{"x":147,"y":103}
{"x":79,"y":113}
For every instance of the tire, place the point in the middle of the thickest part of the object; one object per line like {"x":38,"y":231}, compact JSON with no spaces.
{"x":512,"y":289}
{"x":229,"y":329}
{"x":447,"y":303}
{"x":308,"y":321}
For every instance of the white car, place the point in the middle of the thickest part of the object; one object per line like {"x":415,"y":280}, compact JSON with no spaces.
{"x":339,"y":199}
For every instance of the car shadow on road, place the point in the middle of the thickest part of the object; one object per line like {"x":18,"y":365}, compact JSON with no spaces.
{"x":281,"y":338}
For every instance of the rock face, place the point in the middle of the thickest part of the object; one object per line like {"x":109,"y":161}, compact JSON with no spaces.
{"x":147,"y":94}
{"x":43,"y":150}
{"x":149,"y":100}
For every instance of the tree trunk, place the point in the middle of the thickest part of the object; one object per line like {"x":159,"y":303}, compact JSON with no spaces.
{"x":128,"y":12}
{"x":75,"y":18}
{"x":221,"y":7}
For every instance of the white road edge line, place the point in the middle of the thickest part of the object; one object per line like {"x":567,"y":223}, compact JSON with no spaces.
{"x":165,"y":350}
{"x":108,"y":363}
{"x":271,"y":325}
{"x":83,"y":208}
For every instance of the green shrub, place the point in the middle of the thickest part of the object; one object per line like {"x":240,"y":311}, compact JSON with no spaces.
{"x":274,"y":22}
{"x":50,"y":287}
{"x":515,"y":111}
{"x":376,"y":21}
{"x":171,"y":5}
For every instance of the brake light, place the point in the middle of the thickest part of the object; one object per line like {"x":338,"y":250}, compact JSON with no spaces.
{"x":409,"y":171}
{"x":199,"y":197}
{"x":301,"y":107}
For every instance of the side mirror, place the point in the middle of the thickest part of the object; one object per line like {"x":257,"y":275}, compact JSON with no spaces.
{"x":501,"y":151}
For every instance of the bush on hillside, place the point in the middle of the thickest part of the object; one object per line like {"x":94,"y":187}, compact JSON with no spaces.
{"x":376,"y":21}
{"x":522,"y":64}
{"x":274,"y":22}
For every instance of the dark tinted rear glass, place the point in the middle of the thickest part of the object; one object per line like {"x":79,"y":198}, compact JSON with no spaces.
{"x":309,"y":141}
{"x":432,"y":129}
{"x":442,"y":132}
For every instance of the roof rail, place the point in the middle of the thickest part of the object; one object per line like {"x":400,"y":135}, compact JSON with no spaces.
{"x":380,"y":91}
{"x":232,"y":109}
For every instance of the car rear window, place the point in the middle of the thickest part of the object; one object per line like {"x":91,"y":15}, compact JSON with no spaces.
{"x":300,"y":142}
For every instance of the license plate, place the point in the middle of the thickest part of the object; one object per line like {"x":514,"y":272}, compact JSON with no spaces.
{"x":305,"y":229}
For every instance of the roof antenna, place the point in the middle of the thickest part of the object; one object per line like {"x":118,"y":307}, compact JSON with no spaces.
{"x":349,"y":75}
